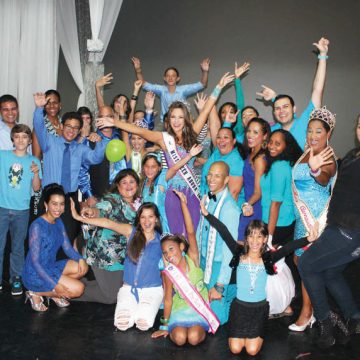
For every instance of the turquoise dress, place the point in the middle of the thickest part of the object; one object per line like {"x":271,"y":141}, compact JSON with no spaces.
{"x":157,"y":196}
{"x":312,"y":193}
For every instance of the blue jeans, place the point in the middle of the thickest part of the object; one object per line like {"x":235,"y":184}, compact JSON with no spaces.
{"x":17,"y":222}
{"x":321,"y":268}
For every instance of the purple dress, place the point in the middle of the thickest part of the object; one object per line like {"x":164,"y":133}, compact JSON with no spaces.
{"x":249,"y":181}
{"x":172,"y":202}
{"x":42,"y":271}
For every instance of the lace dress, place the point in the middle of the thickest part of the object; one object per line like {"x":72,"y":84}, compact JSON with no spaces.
{"x":42,"y":271}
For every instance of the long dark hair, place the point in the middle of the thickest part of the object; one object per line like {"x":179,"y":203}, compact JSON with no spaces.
{"x":255,"y":225}
{"x":138,"y":242}
{"x":148,"y":156}
{"x":189,"y":136}
{"x":291,"y":153}
{"x":265,"y":129}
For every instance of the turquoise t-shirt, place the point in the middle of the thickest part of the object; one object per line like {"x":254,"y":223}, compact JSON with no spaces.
{"x":16,"y":180}
{"x":233,"y":159}
{"x":299,"y":126}
{"x":276,"y":186}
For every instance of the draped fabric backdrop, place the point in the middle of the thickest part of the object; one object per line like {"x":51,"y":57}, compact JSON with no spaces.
{"x":30,"y":51}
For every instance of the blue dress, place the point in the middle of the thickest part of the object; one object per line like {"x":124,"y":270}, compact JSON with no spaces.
{"x":249,"y":181}
{"x":158,"y":198}
{"x":312,"y":193}
{"x":42,"y":271}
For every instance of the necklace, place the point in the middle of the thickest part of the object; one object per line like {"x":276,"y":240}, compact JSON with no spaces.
{"x":253,"y":272}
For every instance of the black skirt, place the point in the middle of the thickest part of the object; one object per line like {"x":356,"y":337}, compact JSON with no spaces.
{"x":247,"y":320}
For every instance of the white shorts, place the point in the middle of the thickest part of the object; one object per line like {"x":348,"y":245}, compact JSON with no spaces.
{"x":129,"y":312}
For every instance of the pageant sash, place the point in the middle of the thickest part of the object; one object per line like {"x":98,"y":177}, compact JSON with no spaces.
{"x":185,"y":170}
{"x":192,"y":296}
{"x":306,"y":215}
{"x":210,"y":252}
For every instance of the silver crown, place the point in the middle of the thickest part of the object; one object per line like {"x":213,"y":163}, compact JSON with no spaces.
{"x":323,"y":114}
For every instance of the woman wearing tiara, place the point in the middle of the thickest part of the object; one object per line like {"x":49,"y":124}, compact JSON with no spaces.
{"x":314,"y":174}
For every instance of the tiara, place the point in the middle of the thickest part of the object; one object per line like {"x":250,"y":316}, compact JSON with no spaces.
{"x":141,"y":124}
{"x":165,"y":234}
{"x":323,"y":114}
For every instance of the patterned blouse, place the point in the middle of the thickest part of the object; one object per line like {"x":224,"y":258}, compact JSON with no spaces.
{"x":106,"y":249}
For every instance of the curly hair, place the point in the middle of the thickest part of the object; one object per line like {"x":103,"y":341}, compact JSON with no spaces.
{"x":189,"y":137}
{"x":291,"y":153}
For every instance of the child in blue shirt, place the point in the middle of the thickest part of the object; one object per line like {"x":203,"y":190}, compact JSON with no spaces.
{"x":20,"y":173}
{"x":172,"y":91}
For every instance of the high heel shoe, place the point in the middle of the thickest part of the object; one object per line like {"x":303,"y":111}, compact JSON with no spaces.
{"x":59,"y":301}
{"x":40,"y":307}
{"x":299,"y":328}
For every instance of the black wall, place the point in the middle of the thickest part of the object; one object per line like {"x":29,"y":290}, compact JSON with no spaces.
{"x":274,"y":36}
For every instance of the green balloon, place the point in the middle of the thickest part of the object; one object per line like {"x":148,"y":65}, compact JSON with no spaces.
{"x":115,"y":150}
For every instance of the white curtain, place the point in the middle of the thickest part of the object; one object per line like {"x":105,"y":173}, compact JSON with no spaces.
{"x":39,"y":53}
{"x":68,"y":39}
{"x":103,"y":19}
{"x":9,"y":39}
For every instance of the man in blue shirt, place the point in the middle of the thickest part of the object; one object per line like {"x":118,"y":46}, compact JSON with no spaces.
{"x":9,"y":111}
{"x":63,"y":157}
{"x":215,"y":256}
{"x":284,"y":106}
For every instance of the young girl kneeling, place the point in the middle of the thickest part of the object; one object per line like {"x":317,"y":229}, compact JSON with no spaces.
{"x":250,"y":310}
{"x":187,"y":315}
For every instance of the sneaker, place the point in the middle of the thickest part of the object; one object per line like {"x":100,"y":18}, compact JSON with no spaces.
{"x":16,"y":286}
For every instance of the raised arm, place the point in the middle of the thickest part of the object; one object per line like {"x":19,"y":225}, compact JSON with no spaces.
{"x":39,"y":125}
{"x":195,"y":150}
{"x":149,"y":135}
{"x":201,"y":120}
{"x":99,"y":84}
{"x":133,"y":100}
{"x":193,"y":251}
{"x":320,"y":76}
{"x":123,"y":229}
{"x":137,"y":67}
{"x":205,"y":66}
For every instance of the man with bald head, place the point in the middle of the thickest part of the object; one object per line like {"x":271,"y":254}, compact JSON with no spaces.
{"x":96,"y":179}
{"x":215,"y":256}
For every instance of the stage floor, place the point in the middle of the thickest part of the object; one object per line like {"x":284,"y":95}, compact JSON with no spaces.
{"x":85,"y":331}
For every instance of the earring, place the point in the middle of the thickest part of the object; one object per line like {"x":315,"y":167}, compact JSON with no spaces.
{"x":46,"y":209}
{"x":264,"y":145}
{"x":183,"y":253}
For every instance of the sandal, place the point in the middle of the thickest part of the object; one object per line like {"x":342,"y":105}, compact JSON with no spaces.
{"x":39,"y":307}
{"x":59,"y":301}
{"x":280,"y":315}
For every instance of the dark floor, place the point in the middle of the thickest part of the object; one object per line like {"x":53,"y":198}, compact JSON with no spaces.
{"x":85,"y":331}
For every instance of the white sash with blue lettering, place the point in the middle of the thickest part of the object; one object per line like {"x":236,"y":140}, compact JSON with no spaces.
{"x":185,"y":170}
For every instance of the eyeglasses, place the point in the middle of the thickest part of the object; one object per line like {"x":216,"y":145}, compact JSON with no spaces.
{"x":73,"y":128}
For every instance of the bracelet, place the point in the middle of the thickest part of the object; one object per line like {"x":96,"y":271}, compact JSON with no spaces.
{"x":164,"y":321}
{"x":164,"y":327}
{"x":122,"y":117}
{"x":216,"y":92}
{"x":245,"y":204}
{"x":273,"y":99}
{"x":219,"y":289}
{"x":134,"y":97}
{"x":315,"y":173}
{"x":323,"y":57}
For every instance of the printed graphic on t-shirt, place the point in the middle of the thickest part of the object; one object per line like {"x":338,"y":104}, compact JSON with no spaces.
{"x":15,"y":175}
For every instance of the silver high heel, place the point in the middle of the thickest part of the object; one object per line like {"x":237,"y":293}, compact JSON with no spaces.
{"x":299,"y":328}
{"x":39,"y":307}
{"x":59,"y":301}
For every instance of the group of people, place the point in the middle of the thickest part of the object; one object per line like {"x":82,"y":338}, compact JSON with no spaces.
{"x":196,"y":218}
